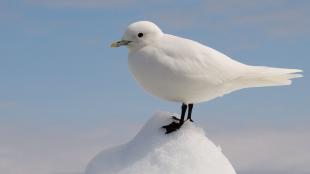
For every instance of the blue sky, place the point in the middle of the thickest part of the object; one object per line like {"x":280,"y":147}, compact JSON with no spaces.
{"x":61,"y":83}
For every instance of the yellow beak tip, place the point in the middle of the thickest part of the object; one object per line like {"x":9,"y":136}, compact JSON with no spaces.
{"x":114,"y":45}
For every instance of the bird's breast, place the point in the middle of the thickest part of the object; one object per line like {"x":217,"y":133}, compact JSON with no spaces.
{"x":153,"y":74}
{"x":161,"y":76}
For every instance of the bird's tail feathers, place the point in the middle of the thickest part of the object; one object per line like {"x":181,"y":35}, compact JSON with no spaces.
{"x":260,"y":76}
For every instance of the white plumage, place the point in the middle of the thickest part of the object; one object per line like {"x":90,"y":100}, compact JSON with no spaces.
{"x":182,"y":70}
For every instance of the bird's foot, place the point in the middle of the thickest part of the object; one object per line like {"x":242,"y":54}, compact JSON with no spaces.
{"x":175,"y":118}
{"x":190,"y":119}
{"x":172,"y":127}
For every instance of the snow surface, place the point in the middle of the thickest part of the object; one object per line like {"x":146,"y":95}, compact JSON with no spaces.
{"x":151,"y":151}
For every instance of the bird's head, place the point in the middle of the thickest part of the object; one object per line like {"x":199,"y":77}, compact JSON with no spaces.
{"x":138,"y":35}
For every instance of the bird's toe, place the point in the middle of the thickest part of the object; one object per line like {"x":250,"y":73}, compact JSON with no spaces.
{"x":190,"y":120}
{"x":172,"y":127}
{"x":175,"y":118}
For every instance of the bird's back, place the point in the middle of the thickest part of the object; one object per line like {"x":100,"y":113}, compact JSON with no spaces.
{"x":199,"y":61}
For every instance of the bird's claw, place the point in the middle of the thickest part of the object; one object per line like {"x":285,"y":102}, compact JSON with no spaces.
{"x":190,"y":120}
{"x":175,"y":118}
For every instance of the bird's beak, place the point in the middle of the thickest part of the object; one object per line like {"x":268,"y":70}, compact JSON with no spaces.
{"x":120,"y":43}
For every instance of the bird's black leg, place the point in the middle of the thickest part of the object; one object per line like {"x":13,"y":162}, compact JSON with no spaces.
{"x":174,"y":125}
{"x":189,"y":114}
{"x":184,"y":107}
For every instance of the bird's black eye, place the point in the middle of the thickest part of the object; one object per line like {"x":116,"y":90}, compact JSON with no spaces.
{"x":140,"y":34}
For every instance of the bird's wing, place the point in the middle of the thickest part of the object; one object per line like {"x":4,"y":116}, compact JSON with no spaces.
{"x":195,"y":60}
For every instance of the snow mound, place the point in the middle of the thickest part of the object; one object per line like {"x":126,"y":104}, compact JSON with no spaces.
{"x":151,"y":151}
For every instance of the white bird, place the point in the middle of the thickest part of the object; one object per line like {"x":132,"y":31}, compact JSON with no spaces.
{"x":182,"y":70}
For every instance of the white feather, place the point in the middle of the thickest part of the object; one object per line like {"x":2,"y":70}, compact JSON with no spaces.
{"x":182,"y":70}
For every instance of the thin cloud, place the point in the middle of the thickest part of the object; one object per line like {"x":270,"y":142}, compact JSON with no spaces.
{"x":67,"y":150}
{"x":271,"y":151}
{"x":41,"y":149}
{"x":80,"y":3}
{"x":282,"y":23}
{"x":277,"y":19}
{"x":93,"y":3}
{"x":7,"y":104}
{"x":274,"y":18}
